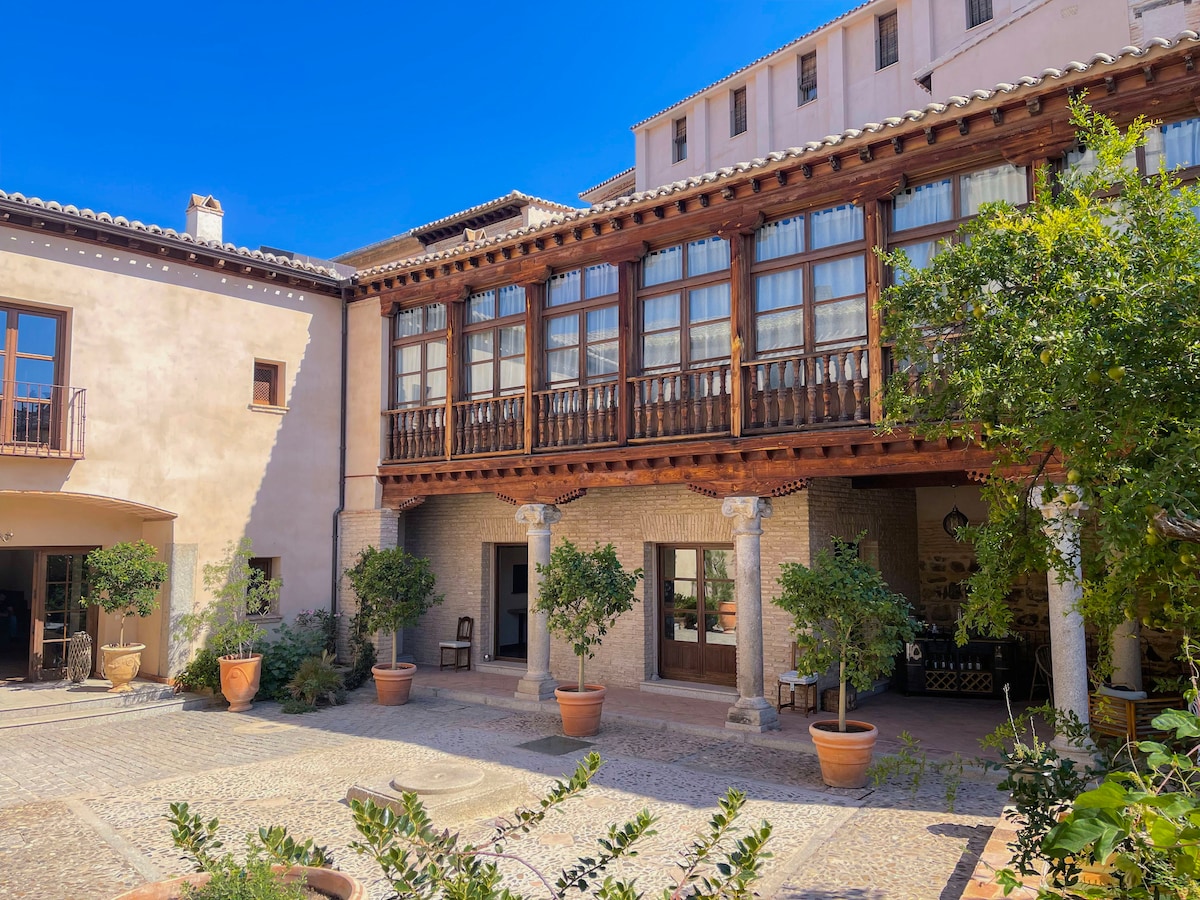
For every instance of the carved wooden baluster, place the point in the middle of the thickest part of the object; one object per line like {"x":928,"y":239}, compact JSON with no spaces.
{"x":695,"y":400}
{"x":846,"y":366}
{"x":860,"y":384}
{"x":575,"y":422}
{"x":611,"y":411}
{"x":826,"y":388}
{"x":792,"y":367}
{"x":587,"y":397}
{"x":810,"y":375}
{"x":662,"y":404}
{"x":774,"y":373}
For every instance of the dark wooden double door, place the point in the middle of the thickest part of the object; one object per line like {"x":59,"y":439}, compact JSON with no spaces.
{"x":697,"y":638}
{"x":58,"y":584}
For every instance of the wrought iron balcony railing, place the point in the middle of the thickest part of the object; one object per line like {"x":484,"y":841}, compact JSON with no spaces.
{"x":42,"y":420}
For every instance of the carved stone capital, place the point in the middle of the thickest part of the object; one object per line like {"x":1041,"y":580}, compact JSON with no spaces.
{"x":538,"y":517}
{"x":747,"y":513}
{"x":1065,"y":505}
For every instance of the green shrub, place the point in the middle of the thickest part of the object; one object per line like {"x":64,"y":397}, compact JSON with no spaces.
{"x":282,"y":657}
{"x":204,"y":671}
{"x":362,"y":654}
{"x":252,"y":880}
{"x":316,"y":682}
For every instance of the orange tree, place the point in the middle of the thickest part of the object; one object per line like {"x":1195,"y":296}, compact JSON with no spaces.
{"x":1065,"y":336}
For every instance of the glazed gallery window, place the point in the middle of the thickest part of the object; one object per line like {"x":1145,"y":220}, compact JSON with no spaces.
{"x":942,"y":205}
{"x":1174,"y":146}
{"x":810,"y":283}
{"x":494,"y":339}
{"x":581,"y":342}
{"x":30,"y":371}
{"x":419,"y":356}
{"x":684,"y":305}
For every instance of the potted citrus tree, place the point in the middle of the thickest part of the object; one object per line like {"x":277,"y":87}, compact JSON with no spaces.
{"x":394,"y":589}
{"x":845,"y":616}
{"x":582,"y":594}
{"x":124,"y":580}
{"x":240,"y":593}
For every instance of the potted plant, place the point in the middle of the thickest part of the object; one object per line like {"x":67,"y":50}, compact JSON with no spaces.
{"x":277,"y":867}
{"x":240,"y":593}
{"x":124,"y":580}
{"x":582,"y":595}
{"x":394,"y":590}
{"x":846,"y":616}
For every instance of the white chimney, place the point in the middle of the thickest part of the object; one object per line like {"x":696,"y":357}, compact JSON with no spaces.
{"x":204,"y":218}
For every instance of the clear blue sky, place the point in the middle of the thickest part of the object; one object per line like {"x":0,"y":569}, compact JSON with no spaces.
{"x":322,"y":127}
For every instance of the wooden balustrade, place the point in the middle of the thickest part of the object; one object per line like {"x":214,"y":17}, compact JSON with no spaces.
{"x":681,"y":403}
{"x":491,"y":425}
{"x":416,"y":433}
{"x":809,"y":389}
{"x":576,"y":416}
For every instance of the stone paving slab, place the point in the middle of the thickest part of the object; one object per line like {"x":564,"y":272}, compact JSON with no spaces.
{"x":100,"y":795}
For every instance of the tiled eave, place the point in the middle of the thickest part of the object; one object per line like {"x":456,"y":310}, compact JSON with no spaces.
{"x":100,"y":228}
{"x":1024,"y":122}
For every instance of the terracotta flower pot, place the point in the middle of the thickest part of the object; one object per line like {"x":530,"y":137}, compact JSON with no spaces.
{"x":580,"y":712}
{"x":121,"y":664}
{"x":338,"y":885}
{"x":845,"y":755}
{"x":393,"y":685}
{"x":239,"y":680}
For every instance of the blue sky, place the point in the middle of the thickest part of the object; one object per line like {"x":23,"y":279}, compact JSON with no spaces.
{"x":322,"y":127}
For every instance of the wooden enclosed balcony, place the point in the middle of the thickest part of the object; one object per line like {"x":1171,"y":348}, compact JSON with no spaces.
{"x":804,"y":392}
{"x":42,"y":420}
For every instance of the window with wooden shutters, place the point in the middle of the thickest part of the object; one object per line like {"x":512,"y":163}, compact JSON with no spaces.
{"x":807,"y":79}
{"x":887,"y":41}
{"x":978,"y":12}
{"x":266,"y":383}
{"x":737,"y":112}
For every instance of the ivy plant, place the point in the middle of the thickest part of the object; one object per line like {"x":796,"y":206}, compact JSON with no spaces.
{"x":583,"y":593}
{"x":1064,"y":336}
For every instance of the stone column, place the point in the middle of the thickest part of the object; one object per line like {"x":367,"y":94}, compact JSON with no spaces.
{"x":1127,"y":655}
{"x":537,"y":683}
{"x":752,"y":712}
{"x":1068,"y":648}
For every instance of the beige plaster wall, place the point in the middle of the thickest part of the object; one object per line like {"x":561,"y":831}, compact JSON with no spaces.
{"x":367,"y":395}
{"x":166,"y":354}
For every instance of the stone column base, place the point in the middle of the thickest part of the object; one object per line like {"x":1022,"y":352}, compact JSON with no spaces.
{"x":536,"y":688}
{"x":752,"y":714}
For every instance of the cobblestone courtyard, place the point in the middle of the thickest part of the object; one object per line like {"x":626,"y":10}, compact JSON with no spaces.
{"x":81,"y":803}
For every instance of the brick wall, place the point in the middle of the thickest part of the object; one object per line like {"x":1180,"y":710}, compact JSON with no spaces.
{"x":358,"y":529}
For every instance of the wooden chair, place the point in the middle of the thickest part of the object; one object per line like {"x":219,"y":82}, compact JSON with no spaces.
{"x":459,"y":646}
{"x":1129,"y":718}
{"x":792,"y":680}
{"x":1042,"y":671}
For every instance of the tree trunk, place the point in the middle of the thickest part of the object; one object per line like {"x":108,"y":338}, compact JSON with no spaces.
{"x":842,"y":694}
{"x":393,"y":649}
{"x":581,"y":673}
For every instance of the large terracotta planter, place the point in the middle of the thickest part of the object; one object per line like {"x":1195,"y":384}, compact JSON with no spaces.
{"x":336,"y":884}
{"x":580,"y":712}
{"x":844,"y":756}
{"x":393,"y":684}
{"x":239,"y":680}
{"x":121,"y":664}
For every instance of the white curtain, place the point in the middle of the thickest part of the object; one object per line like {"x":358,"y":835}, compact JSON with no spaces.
{"x":779,"y":290}
{"x":562,"y":331}
{"x":837,"y":225}
{"x":563,"y":288}
{"x":562,"y":365}
{"x":599,"y":281}
{"x":844,"y":321}
{"x":709,"y":342}
{"x":1181,"y":144}
{"x":782,"y":238}
{"x":839,"y":278}
{"x":660,"y":312}
{"x":481,"y":306}
{"x":779,"y":331}
{"x":991,"y":185}
{"x":661,"y":266}
{"x":705,"y":304}
{"x":707,"y":255}
{"x":512,"y":300}
{"x":602,"y":323}
{"x":922,"y":205}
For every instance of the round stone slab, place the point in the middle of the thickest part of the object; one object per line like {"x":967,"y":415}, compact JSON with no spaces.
{"x":440,"y":778}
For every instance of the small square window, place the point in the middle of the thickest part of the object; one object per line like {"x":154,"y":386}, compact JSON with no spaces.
{"x":737,"y":112}
{"x":887,"y":40}
{"x":266,"y":383}
{"x":259,"y":599}
{"x":679,"y":153}
{"x":807,"y":79}
{"x":978,"y":12}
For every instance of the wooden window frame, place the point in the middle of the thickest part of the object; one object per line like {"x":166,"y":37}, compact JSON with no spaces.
{"x":680,"y":286}
{"x":579,"y":308}
{"x":804,"y":261}
{"x":887,"y":40}
{"x":739,"y":111}
{"x":679,"y":140}
{"x":275,"y":385}
{"x":423,"y":338}
{"x":496,"y":324}
{"x":9,"y":321}
{"x":269,"y":567}
{"x":979,"y":12}
{"x":806,"y":88}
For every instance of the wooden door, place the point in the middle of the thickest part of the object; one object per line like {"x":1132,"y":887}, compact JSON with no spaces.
{"x":57,"y":613}
{"x":698,"y":619}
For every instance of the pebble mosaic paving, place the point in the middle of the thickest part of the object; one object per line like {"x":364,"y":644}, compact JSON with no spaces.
{"x":81,"y":804}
